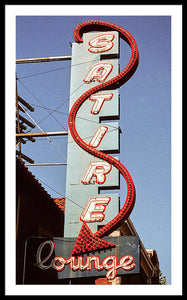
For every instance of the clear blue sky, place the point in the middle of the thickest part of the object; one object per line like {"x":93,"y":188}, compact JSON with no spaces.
{"x":145,"y":114}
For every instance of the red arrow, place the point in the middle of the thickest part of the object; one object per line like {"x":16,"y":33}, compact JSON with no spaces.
{"x":88,"y":242}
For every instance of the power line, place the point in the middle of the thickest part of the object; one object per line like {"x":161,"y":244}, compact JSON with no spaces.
{"x":59,"y":151}
{"x":66,"y":198}
{"x":56,"y":110}
{"x":54,"y":70}
{"x":58,"y":192}
{"x":28,"y":90}
{"x":81,"y":118}
{"x":50,"y":113}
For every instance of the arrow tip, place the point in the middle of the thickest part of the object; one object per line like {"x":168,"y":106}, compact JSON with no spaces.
{"x":88,"y":242}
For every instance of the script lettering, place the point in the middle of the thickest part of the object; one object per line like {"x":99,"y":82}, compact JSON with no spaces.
{"x":109,"y":263}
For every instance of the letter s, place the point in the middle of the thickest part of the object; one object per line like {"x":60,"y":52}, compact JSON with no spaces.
{"x":101,"y":43}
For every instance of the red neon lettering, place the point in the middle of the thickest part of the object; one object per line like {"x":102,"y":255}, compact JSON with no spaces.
{"x":94,"y":209}
{"x":99,"y":101}
{"x":99,"y":72}
{"x":99,"y":169}
{"x":98,"y":136}
{"x":101,"y":43}
{"x":127,"y":262}
{"x":109,"y":263}
{"x":112,"y":267}
{"x":58,"y":263}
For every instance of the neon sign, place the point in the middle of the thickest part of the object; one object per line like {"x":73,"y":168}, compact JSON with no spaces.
{"x":99,"y":82}
{"x":48,"y":260}
{"x":110,"y":263}
{"x":98,"y":72}
{"x":98,"y":169}
{"x":101,"y":43}
{"x":99,"y":101}
{"x":98,"y":136}
{"x":90,"y":168}
{"x":94,"y":209}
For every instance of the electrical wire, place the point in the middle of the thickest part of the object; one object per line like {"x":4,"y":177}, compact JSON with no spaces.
{"x":81,"y":118}
{"x":57,"y":69}
{"x":66,"y":198}
{"x":56,"y":110}
{"x":29,"y":91}
{"x":56,"y":147}
{"x":51,"y":113}
{"x":58,"y":192}
{"x":85,"y":138}
{"x":40,"y":73}
{"x":49,"y":110}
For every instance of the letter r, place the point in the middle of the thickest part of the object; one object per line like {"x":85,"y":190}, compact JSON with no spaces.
{"x":99,"y":169}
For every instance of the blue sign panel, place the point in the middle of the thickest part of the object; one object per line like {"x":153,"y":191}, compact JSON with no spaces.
{"x":93,"y":60}
{"x":49,"y":260}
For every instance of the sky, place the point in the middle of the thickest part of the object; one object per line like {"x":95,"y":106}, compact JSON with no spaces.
{"x":145,"y":121}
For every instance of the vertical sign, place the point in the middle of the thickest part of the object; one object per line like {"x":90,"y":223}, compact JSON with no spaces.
{"x":88,"y":178}
{"x":91,"y":211}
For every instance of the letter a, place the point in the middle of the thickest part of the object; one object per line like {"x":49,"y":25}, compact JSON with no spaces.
{"x":99,"y":72}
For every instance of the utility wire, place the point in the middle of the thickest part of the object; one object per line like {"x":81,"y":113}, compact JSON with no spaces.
{"x":28,"y":90}
{"x":50,"y":113}
{"x":81,"y":118}
{"x":54,"y":70}
{"x":58,"y":192}
{"x":59,"y":151}
{"x":56,"y":110}
{"x":66,"y":198}
{"x":50,"y":110}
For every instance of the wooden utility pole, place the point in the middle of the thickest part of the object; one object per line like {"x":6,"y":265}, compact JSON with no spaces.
{"x":18,"y":124}
{"x":20,"y":134}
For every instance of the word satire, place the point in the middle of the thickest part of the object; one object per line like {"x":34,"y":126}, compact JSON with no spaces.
{"x":109,"y":263}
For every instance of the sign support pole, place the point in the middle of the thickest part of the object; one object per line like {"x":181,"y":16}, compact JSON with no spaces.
{"x":42,"y":59}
